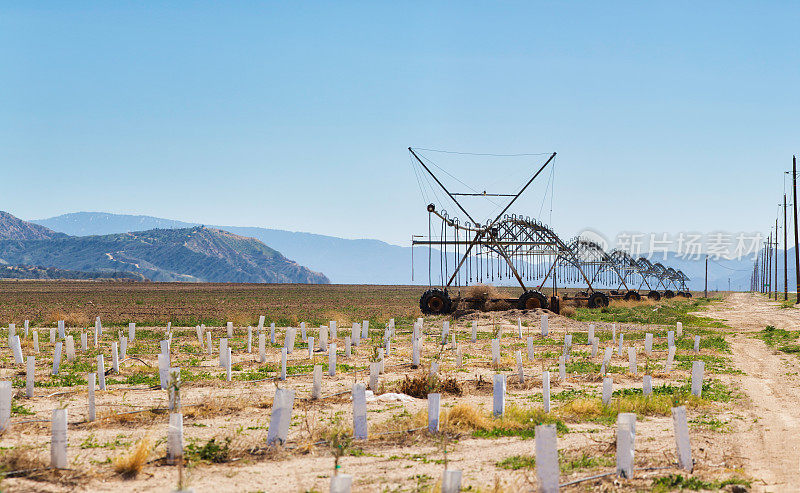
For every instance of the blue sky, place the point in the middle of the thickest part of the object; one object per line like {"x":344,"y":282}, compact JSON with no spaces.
{"x":678,"y":116}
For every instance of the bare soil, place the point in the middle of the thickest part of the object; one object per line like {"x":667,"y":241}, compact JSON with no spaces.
{"x":758,"y":439}
{"x":768,"y":438}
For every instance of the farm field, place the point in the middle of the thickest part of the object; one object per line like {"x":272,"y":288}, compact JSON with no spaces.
{"x":188,"y":304}
{"x":743,"y":426}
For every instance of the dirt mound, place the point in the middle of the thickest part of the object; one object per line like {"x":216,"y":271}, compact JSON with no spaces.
{"x":467,"y":314}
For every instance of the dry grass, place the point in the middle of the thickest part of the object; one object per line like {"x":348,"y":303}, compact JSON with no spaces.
{"x":482,"y":292}
{"x":21,"y":459}
{"x":584,"y":409}
{"x":393,"y":428}
{"x":621,"y":303}
{"x":464,"y":418}
{"x":517,"y":417}
{"x":420,"y":385}
{"x":450,"y":385}
{"x":653,"y":405}
{"x":567,"y":311}
{"x":314,"y":430}
{"x":581,"y":409}
{"x":111,"y":419}
{"x":481,"y":295}
{"x":239,"y":319}
{"x":130,"y":465}
{"x":71,"y":319}
{"x":211,"y":408}
{"x":507,"y":361}
{"x":343,"y":320}
{"x":27,"y":462}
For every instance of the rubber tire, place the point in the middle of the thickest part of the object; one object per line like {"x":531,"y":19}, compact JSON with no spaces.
{"x":669,"y":294}
{"x":633,"y":296}
{"x":531,"y":300}
{"x":654,"y":295}
{"x":597,"y":300}
{"x":688,"y":294}
{"x":680,"y":294}
{"x":435,"y":302}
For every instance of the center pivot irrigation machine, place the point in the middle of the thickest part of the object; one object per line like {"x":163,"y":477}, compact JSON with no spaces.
{"x":526,"y":250}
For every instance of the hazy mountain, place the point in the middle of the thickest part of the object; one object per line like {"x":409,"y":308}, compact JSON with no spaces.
{"x":190,"y":254}
{"x":13,"y":228}
{"x":102,"y":223}
{"x":343,"y":261}
{"x":368,"y":261}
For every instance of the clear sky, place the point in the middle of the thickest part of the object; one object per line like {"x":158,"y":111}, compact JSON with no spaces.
{"x":676,"y":116}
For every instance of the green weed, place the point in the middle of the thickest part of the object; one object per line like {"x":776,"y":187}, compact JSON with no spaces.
{"x":679,"y":482}
{"x":668,"y":312}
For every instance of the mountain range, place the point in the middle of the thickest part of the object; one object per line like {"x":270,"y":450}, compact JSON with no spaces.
{"x":343,"y":261}
{"x":193,"y":254}
{"x":364,"y":261}
{"x":13,"y":228}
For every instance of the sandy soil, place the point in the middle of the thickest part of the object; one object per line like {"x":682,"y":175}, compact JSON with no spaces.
{"x":409,"y":461}
{"x":768,"y":439}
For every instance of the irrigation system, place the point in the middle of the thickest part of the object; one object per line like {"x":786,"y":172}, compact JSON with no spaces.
{"x":525,"y":250}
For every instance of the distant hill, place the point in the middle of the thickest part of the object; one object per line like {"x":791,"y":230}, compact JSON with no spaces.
{"x":31,"y":272}
{"x":14,"y":228}
{"x":195,"y":254}
{"x":102,"y":223}
{"x":367,"y":261}
{"x":343,"y":261}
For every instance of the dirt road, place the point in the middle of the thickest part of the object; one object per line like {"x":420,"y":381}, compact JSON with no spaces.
{"x":768,"y":436}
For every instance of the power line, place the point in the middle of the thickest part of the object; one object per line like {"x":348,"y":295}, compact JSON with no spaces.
{"x":482,"y":153}
{"x":724,"y":267}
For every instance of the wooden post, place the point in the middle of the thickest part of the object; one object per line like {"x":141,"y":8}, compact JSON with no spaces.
{"x":760,"y":270}
{"x":705,"y":288}
{"x":764,"y":270}
{"x":776,"y":260}
{"x":785,"y":255}
{"x":796,"y":243}
{"x":769,"y":266}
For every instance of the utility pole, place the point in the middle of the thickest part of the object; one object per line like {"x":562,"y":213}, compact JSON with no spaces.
{"x":764,"y":269}
{"x":705,"y":288}
{"x":757,"y":274}
{"x":776,"y":260}
{"x":796,"y":249}
{"x":769,"y":266}
{"x":756,"y":266}
{"x":785,"y":255}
